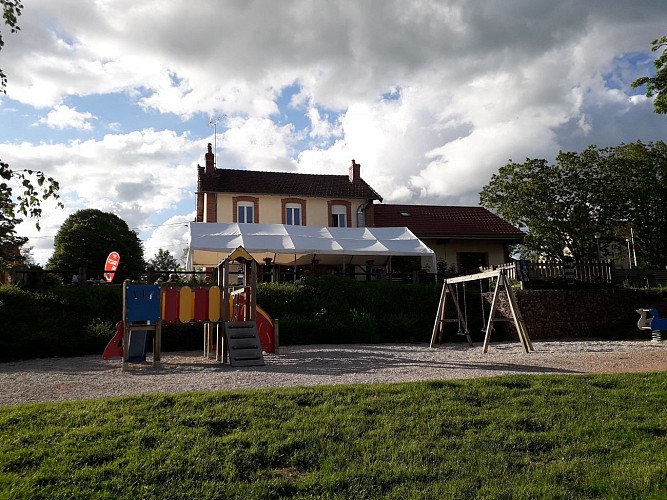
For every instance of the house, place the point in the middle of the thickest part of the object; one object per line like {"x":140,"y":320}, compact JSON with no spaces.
{"x":245,"y":196}
{"x":463,"y":237}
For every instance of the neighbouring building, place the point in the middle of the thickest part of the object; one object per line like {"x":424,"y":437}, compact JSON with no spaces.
{"x":463,"y":238}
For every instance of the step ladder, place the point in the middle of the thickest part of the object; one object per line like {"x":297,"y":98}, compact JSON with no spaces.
{"x":242,"y":344}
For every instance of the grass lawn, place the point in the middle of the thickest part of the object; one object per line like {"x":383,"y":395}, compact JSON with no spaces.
{"x":510,"y":437}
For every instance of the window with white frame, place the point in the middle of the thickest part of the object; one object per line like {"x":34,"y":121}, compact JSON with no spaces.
{"x":361,"y":216}
{"x":293,"y":214}
{"x":338,"y":216}
{"x":245,"y":212}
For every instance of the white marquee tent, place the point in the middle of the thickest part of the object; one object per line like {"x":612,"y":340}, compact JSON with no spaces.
{"x":210,"y":243}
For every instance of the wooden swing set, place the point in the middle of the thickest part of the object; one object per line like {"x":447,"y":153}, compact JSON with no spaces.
{"x":450,"y":289}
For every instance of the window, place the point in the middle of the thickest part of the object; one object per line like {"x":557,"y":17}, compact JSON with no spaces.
{"x":245,"y":212}
{"x":294,"y":211}
{"x":338,"y":216}
{"x":471,"y":262}
{"x":293,"y":214}
{"x":361,"y":216}
{"x":245,"y":209}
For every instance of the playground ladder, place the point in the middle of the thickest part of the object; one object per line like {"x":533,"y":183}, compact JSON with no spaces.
{"x":242,"y":344}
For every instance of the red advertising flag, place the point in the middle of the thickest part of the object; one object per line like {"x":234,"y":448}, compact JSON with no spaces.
{"x":111,"y":265}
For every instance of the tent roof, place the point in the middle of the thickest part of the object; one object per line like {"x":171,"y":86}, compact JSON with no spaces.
{"x":210,"y":243}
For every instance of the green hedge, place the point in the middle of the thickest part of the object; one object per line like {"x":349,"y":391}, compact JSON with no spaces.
{"x":79,"y":320}
{"x":330,"y":309}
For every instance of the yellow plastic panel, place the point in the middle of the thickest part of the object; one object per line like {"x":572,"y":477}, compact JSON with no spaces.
{"x":186,"y":305}
{"x":214,"y":303}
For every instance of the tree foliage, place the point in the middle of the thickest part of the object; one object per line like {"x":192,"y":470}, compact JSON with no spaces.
{"x":85,"y":240}
{"x":604,"y":192}
{"x":164,"y":261}
{"x":21,"y":191}
{"x":21,"y":194}
{"x":657,"y":85}
{"x":11,"y":10}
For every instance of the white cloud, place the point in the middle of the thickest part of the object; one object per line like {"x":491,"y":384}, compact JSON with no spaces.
{"x":63,"y":116}
{"x":171,"y":235}
{"x":255,"y":144}
{"x":468,"y":86}
{"x":137,"y":176}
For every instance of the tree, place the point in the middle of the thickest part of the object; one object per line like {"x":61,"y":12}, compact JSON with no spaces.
{"x":19,"y":196}
{"x":85,"y":240}
{"x":164,"y":261}
{"x":656,"y":85}
{"x":587,"y":199}
{"x":11,"y":10}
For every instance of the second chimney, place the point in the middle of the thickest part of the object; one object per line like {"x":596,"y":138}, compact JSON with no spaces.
{"x":355,"y":172}
{"x":210,"y":160}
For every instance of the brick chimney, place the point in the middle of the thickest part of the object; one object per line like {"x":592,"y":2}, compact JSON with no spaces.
{"x":355,"y":172}
{"x":210,"y":160}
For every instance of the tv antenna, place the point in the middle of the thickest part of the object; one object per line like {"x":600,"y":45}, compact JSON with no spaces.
{"x":213,"y":122}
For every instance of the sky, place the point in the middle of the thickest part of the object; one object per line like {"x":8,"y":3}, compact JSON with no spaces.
{"x":118,"y":99}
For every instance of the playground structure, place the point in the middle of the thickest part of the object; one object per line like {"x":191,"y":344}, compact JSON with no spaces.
{"x":653,"y":323}
{"x":450,"y":290}
{"x":235,"y":328}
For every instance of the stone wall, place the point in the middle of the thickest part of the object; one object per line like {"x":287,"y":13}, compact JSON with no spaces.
{"x":564,"y":314}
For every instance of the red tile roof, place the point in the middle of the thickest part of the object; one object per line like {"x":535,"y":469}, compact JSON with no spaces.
{"x":286,"y":184}
{"x":445,"y":221}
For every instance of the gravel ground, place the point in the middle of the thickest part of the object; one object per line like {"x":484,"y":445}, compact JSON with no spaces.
{"x":89,"y":377}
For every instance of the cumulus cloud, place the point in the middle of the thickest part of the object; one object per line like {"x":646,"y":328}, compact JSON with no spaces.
{"x":171,"y":235}
{"x":63,"y":116}
{"x":431,"y":97}
{"x":137,"y":176}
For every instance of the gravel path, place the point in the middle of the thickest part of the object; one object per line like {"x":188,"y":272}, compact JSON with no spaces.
{"x":89,"y":377}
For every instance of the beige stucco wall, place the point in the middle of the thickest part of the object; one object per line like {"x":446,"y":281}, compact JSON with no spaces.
{"x":270,"y":209}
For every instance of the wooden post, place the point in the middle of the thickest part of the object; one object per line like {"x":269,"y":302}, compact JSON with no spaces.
{"x":489,"y":325}
{"x":276,"y":329}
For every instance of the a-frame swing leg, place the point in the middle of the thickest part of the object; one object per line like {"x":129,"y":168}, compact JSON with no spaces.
{"x":489,"y":324}
{"x":518,"y":320}
{"x":516,"y":315}
{"x":440,"y":316}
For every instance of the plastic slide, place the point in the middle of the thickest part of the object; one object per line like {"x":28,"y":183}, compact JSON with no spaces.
{"x":266,"y":330}
{"x":136,"y":350}
{"x":114,"y":348}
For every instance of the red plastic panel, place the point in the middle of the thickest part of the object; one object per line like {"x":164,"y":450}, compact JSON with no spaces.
{"x":201,"y":304}
{"x":170,"y":301}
